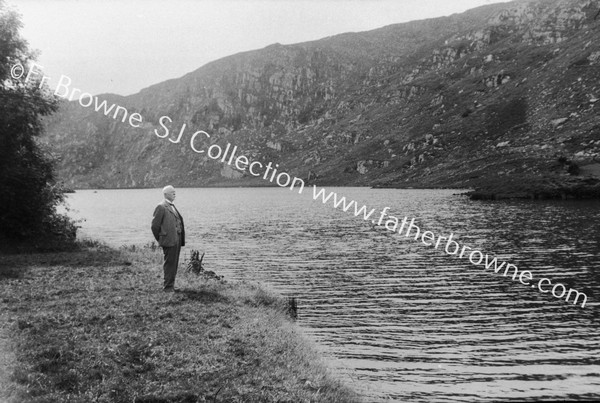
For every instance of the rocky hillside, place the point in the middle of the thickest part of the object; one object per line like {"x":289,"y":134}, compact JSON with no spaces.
{"x":503,"y":98}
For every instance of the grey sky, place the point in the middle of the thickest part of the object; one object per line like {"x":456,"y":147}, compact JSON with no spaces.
{"x":124,"y":46}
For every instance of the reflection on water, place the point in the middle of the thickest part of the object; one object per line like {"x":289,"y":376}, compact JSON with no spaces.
{"x":407,"y":322}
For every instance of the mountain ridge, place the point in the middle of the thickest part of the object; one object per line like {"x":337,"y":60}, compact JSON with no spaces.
{"x":499,"y":98}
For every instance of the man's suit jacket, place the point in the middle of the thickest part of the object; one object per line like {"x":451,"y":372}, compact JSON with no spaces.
{"x":164,"y":225}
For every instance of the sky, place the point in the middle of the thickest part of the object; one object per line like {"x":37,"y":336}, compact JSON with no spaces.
{"x":122,"y":46}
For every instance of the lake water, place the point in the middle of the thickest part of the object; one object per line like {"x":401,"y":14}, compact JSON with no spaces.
{"x":405,"y":322}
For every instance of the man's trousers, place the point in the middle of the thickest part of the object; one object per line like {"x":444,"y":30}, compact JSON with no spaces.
{"x":171,"y":255}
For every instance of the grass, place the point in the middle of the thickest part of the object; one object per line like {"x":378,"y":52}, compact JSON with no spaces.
{"x":94,"y":326}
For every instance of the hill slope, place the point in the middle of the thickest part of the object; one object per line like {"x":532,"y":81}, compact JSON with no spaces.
{"x":502,"y":97}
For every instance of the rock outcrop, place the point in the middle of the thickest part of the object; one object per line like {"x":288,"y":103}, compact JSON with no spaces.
{"x":493,"y":96}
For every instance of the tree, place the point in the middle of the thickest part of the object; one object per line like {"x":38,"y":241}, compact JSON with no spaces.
{"x":29,"y":193}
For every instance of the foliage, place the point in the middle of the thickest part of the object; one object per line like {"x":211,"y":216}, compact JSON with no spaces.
{"x":571,"y":167}
{"x":195,"y":263}
{"x":195,"y":266}
{"x":30,"y":194}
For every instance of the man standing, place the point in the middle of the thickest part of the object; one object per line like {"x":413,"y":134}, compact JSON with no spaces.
{"x":168,"y":230}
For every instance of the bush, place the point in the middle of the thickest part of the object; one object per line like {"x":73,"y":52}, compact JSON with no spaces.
{"x":573,"y":168}
{"x":30,"y":193}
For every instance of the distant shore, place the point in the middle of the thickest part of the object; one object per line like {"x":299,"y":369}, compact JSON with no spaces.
{"x":524,"y":187}
{"x":494,"y":188}
{"x":560,"y":188}
{"x":94,"y":325}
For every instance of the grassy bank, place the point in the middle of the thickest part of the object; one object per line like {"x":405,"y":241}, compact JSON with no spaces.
{"x":94,"y":326}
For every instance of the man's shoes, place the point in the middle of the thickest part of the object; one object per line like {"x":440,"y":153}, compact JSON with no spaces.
{"x":170,"y":289}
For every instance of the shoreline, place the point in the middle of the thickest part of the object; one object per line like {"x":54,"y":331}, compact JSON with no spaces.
{"x":546,"y":189}
{"x":95,"y":325}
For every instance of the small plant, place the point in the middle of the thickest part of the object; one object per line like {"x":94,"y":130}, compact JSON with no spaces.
{"x":151,"y":245}
{"x":90,"y":243}
{"x":292,"y":308}
{"x":195,"y":264}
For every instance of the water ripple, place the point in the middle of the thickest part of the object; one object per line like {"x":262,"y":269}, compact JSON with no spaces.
{"x":406,"y":321}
